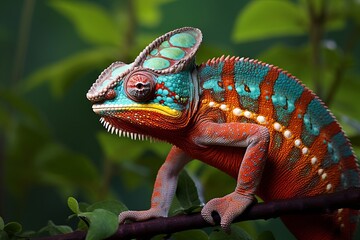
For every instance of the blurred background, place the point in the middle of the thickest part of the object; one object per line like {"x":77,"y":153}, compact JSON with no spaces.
{"x":51,"y":143}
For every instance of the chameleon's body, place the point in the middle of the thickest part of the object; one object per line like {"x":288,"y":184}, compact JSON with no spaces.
{"x":249,"y":119}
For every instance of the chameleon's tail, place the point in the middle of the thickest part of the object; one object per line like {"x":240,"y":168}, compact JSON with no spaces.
{"x":340,"y":225}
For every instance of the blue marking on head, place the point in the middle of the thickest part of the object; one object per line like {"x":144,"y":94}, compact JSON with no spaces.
{"x":182,"y":85}
{"x":178,"y":100}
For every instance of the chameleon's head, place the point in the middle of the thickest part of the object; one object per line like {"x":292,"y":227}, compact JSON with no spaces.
{"x":158,"y":91}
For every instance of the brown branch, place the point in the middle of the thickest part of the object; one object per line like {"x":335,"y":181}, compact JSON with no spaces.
{"x":306,"y":205}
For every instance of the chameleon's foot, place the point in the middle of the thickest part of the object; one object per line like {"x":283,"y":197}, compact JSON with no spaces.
{"x":140,"y":215}
{"x":228,"y":207}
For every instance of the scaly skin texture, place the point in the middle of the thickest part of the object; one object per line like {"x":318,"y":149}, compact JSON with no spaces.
{"x":249,"y":119}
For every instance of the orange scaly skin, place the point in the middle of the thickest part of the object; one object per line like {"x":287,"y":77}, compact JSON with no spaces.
{"x":249,"y":119}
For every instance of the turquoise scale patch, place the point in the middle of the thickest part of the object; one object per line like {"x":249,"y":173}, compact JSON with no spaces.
{"x":213,"y":85}
{"x":319,"y":115}
{"x":210,"y":77}
{"x":340,"y":145}
{"x":119,"y":70}
{"x":337,"y":149}
{"x":104,"y":84}
{"x":248,"y":77}
{"x":165,"y":44}
{"x":156,"y":63}
{"x":184,"y":40}
{"x":310,"y":131}
{"x":121,"y":98}
{"x":286,"y":93}
{"x":208,"y":73}
{"x":172,"y":53}
{"x":180,"y":82}
{"x":315,"y":118}
{"x":350,"y":178}
{"x":154,"y":52}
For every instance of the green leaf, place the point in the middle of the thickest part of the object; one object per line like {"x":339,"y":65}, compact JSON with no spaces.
{"x":4,"y":235}
{"x":103,"y":224}
{"x":67,"y":170}
{"x":269,"y":18}
{"x":219,"y":183}
{"x":187,"y":193}
{"x":148,"y":13}
{"x":124,"y":149}
{"x":13,"y":228}
{"x":295,"y":60}
{"x":2,"y":224}
{"x":354,"y":10}
{"x":11,"y":102}
{"x":119,"y":149}
{"x":343,"y":105}
{"x":336,"y":11}
{"x":24,"y":144}
{"x":113,"y":206}
{"x":92,"y":22}
{"x":266,"y":235}
{"x":236,"y":234}
{"x":73,"y":205}
{"x":53,"y":229}
{"x":190,"y":234}
{"x":355,"y":141}
{"x":63,"y":74}
{"x":337,"y":14}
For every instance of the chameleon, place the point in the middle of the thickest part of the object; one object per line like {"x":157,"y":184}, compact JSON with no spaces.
{"x":249,"y":119}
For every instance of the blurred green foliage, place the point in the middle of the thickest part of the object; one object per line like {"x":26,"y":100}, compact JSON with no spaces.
{"x":51,"y":146}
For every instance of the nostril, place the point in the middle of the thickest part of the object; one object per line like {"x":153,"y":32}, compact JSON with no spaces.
{"x":110,"y":94}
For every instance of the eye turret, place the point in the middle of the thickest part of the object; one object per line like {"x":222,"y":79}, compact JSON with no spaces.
{"x":140,"y":86}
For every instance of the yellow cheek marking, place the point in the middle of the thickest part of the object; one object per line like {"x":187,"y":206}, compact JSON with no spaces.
{"x":156,"y":108}
{"x":152,"y":107}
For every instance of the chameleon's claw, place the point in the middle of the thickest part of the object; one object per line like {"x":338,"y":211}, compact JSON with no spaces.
{"x":206,"y":213}
{"x":140,"y":215}
{"x":228,"y":207}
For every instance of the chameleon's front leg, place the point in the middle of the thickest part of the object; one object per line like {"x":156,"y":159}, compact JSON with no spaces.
{"x":164,"y":188}
{"x":256,"y":140}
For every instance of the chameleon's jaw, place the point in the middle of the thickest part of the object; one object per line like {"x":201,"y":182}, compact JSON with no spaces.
{"x":114,"y":129}
{"x":138,"y":121}
{"x":114,"y":110}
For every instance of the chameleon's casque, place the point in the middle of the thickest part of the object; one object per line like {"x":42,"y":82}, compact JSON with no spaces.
{"x":249,"y":119}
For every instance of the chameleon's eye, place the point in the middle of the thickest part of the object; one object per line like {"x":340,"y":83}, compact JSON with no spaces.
{"x":140,"y":86}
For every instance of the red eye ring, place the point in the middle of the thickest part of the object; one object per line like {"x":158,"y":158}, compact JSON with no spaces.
{"x":140,"y":86}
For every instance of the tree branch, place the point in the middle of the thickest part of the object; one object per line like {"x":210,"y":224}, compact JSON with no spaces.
{"x":306,"y":205}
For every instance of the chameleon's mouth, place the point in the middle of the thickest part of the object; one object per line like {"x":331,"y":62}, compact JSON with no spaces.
{"x":152,"y":107}
{"x":113,"y":129}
